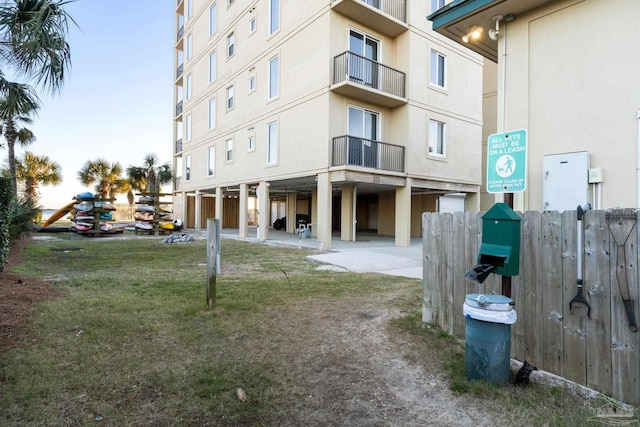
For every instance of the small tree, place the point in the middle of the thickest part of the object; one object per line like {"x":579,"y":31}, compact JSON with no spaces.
{"x":150,"y":176}
{"x":105,"y":175}
{"x":35,"y":171}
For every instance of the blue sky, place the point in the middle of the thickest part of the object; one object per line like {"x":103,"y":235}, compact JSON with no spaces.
{"x":117,"y":102}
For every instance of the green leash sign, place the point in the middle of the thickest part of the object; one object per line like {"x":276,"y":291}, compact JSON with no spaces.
{"x":507,"y":162}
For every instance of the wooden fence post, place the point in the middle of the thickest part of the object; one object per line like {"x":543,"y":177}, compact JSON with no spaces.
{"x":213,"y":260}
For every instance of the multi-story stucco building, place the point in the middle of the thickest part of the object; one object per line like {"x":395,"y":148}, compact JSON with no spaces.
{"x":351,"y":111}
{"x":567,"y":74}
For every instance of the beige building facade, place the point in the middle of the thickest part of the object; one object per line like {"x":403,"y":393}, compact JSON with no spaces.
{"x":566,"y":73}
{"x":353,"y":112}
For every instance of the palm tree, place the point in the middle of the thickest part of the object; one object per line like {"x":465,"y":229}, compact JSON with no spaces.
{"x":16,"y":108}
{"x":106,"y":177}
{"x":33,"y":40}
{"x":150,"y":176}
{"x":35,"y":171}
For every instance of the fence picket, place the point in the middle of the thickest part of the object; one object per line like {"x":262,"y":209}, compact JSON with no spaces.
{"x":598,"y":293}
{"x":529,"y":306}
{"x":574,"y":360}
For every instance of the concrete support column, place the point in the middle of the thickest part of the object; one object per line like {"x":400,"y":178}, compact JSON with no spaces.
{"x":263,"y":211}
{"x":219,"y":198}
{"x":292,"y":210}
{"x":403,"y":214}
{"x":244,"y":211}
{"x":324,"y":211}
{"x":198,"y":210}
{"x":348,"y":213}
{"x":314,"y":212}
{"x":184,"y":211}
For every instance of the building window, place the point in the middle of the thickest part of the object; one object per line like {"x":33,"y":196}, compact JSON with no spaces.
{"x":437,"y":4}
{"x":436,"y":138}
{"x":438,"y":69}
{"x":189,"y":9}
{"x":188,"y":87}
{"x":213,"y":19}
{"x":252,"y":26}
{"x":187,"y":168}
{"x":274,"y":16}
{"x":230,"y":101}
{"x":251,"y":143}
{"x":273,"y":78}
{"x":187,"y":127}
{"x":213,"y":66}
{"x":229,"y":151}
{"x":230,"y":45}
{"x":211,"y":161}
{"x":252,"y":83}
{"x":212,"y":113}
{"x":272,"y":143}
{"x":189,"y":46}
{"x":230,"y":2}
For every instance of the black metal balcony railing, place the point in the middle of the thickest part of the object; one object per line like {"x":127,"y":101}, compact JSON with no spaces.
{"x":395,"y":8}
{"x":179,"y":146}
{"x":355,"y":151}
{"x":180,"y":32}
{"x":179,"y":108}
{"x":179,"y":71}
{"x":358,"y":69}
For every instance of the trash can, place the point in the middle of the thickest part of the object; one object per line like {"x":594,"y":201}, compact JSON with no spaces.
{"x":488,"y":337}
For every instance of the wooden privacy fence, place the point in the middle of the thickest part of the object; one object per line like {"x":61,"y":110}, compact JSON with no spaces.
{"x":600,"y":351}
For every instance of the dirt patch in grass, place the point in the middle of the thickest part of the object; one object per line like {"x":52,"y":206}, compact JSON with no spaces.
{"x":17,"y":294}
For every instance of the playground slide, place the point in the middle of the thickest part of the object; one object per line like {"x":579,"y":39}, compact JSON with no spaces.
{"x":59,"y":214}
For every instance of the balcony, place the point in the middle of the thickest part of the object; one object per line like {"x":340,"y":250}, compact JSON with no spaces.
{"x":179,"y":146}
{"x":179,"y":38}
{"x":386,"y":16}
{"x":179,"y":108}
{"x":360,"y":78}
{"x":354,"y":151}
{"x":179,"y":71}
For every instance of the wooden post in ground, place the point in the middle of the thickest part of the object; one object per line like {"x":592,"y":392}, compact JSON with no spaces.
{"x":213,"y":260}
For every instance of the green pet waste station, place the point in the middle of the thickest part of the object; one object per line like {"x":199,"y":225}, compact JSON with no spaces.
{"x":489,"y":318}
{"x":488,"y":321}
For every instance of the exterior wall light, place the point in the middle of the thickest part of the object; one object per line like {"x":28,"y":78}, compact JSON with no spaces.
{"x":474,"y":34}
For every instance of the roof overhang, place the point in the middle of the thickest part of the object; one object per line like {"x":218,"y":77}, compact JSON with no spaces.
{"x":457,"y":18}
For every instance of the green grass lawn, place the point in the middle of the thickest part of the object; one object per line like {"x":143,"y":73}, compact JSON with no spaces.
{"x":130,"y":342}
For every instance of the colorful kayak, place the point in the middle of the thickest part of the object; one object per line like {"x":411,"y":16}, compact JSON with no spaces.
{"x":58,"y":214}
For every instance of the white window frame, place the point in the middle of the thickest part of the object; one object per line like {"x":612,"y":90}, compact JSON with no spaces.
{"x":272,"y":143}
{"x":213,"y":19}
{"x":189,"y":47}
{"x":231,"y":102}
{"x":212,"y":113}
{"x":213,"y":66}
{"x":231,"y":44}
{"x":252,"y":84}
{"x":228,"y":151}
{"x":274,"y":82}
{"x":435,"y":59}
{"x":188,"y":86}
{"x":187,"y":127}
{"x":211,"y":161}
{"x":252,"y":25}
{"x":187,"y":168}
{"x":189,"y":7}
{"x":274,"y":16}
{"x":437,"y":138}
{"x":437,"y":4}
{"x":251,"y":143}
